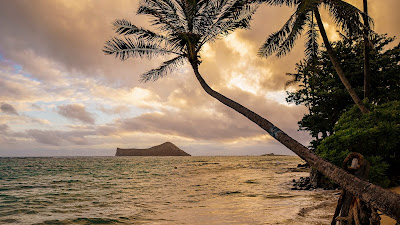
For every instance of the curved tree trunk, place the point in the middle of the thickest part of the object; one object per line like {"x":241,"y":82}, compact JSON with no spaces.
{"x":375,"y":196}
{"x":336,"y":64}
{"x":367,"y":70}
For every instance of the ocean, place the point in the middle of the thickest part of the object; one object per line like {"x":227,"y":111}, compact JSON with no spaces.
{"x":159,"y":190}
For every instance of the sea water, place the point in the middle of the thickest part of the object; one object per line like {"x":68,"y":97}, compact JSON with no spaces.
{"x":158,"y":190}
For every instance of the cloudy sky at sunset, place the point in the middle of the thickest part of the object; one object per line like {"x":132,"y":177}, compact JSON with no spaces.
{"x":61,"y":96}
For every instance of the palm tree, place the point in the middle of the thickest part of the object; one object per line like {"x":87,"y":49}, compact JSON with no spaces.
{"x":282,"y":41}
{"x":186,"y":25}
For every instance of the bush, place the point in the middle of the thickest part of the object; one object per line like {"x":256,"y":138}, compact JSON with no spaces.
{"x":375,"y":135}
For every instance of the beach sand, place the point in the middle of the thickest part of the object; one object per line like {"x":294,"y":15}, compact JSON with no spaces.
{"x":385,"y":219}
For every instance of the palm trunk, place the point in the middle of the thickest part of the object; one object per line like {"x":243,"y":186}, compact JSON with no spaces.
{"x":375,"y":196}
{"x":336,"y":64}
{"x":367,"y":70}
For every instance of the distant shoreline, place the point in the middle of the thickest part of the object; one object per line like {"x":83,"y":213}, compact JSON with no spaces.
{"x":273,"y":154}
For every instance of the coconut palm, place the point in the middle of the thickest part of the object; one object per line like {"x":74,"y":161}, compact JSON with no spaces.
{"x":345,"y":15}
{"x":185,"y":26}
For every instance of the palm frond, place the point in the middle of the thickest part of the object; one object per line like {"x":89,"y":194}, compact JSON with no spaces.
{"x":164,"y":16}
{"x":206,"y":15}
{"x":312,"y":35}
{"x":289,"y":3}
{"x":346,"y":16}
{"x":287,"y":44}
{"x":176,"y":9}
{"x":229,"y":22}
{"x":274,"y":40}
{"x":283,"y":40}
{"x":125,"y":48}
{"x":125,"y":27}
{"x":163,"y":70}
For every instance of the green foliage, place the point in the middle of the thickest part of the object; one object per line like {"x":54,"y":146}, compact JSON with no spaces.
{"x":337,"y":126}
{"x":375,"y":135}
{"x":378,"y":171}
{"x":322,"y":92}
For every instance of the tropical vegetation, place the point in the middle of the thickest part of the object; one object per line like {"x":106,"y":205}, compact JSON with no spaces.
{"x":329,"y":106}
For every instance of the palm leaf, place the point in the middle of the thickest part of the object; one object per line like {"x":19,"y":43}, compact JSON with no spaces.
{"x":163,"y":70}
{"x":283,"y":40}
{"x":126,"y":48}
{"x":163,"y":15}
{"x":295,"y":31}
{"x":346,"y":16}
{"x":274,"y":40}
{"x":125,"y":27}
{"x":312,"y":35}
{"x":289,"y":3}
{"x":224,"y":26}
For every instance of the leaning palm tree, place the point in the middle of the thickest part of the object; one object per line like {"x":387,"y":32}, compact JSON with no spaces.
{"x":185,"y":26}
{"x":345,"y":15}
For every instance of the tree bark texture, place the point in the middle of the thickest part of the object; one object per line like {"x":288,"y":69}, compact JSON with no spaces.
{"x":375,"y":196}
{"x":336,"y":64}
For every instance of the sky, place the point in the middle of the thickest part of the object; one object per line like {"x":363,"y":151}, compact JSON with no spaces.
{"x":60,"y":95}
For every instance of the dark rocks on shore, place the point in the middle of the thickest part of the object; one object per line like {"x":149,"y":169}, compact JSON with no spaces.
{"x":314,"y":181}
{"x":302,"y":184}
{"x":305,"y":165}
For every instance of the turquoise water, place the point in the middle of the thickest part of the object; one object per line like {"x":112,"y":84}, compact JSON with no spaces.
{"x":158,"y":190}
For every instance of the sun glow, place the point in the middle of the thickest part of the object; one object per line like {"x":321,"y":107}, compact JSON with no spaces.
{"x":239,"y":46}
{"x":278,"y":96}
{"x":207,"y":52}
{"x":331,"y":32}
{"x":245,"y":83}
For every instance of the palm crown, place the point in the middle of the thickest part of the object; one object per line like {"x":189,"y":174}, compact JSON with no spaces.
{"x":345,"y":15}
{"x":184,"y":25}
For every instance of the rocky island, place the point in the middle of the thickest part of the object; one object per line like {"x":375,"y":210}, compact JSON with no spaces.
{"x":165,"y":149}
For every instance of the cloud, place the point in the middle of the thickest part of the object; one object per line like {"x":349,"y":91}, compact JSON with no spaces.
{"x":76,"y":112}
{"x":4,"y":133}
{"x":204,"y":118}
{"x":194,"y":125}
{"x":7,"y":136}
{"x":57,"y":138}
{"x":8,"y":109}
{"x":120,"y":109}
{"x":4,"y":128}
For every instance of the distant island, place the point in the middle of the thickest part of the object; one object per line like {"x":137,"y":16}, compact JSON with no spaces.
{"x":272,"y":154}
{"x":165,"y":149}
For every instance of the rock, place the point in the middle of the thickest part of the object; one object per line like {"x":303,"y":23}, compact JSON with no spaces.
{"x":305,"y":165}
{"x":165,"y":149}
